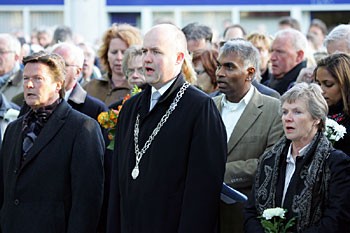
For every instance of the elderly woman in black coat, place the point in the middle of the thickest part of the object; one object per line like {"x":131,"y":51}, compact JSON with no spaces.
{"x":303,"y":173}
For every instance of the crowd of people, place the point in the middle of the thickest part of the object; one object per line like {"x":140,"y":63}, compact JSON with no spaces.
{"x":249,"y":111}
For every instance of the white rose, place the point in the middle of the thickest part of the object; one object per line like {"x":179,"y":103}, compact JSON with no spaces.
{"x":334,"y":131}
{"x":273,"y":212}
{"x":341,"y":131}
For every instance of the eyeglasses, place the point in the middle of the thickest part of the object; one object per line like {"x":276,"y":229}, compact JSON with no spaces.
{"x":69,"y":65}
{"x":131,"y":71}
{"x":6,"y":51}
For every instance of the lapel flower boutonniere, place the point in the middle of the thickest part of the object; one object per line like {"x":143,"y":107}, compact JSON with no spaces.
{"x":108,"y":120}
{"x":334,"y":131}
{"x":273,"y":220}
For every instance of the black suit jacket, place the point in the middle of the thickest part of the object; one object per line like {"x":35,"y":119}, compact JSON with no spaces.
{"x":59,"y":187}
{"x":181,"y":174}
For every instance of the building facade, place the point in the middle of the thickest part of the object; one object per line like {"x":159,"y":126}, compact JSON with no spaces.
{"x":90,"y":18}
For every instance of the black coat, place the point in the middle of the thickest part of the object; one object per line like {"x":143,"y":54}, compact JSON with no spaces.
{"x":287,"y":81}
{"x":84,"y":103}
{"x":181,"y":174}
{"x":59,"y":187}
{"x":335,"y":216}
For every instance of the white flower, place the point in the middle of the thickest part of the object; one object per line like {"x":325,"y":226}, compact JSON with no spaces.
{"x":11,"y":114}
{"x":273,"y":212}
{"x":334,"y":131}
{"x":273,"y":220}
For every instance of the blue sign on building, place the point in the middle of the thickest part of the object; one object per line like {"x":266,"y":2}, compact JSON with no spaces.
{"x":181,"y":2}
{"x":31,"y":2}
{"x":221,"y":2}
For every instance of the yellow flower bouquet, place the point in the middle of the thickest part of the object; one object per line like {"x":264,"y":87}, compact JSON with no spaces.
{"x":108,"y":120}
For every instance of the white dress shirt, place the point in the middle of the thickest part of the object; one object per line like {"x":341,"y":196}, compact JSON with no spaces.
{"x":290,"y":169}
{"x":161,"y":90}
{"x":231,"y":112}
{"x":67,"y":94}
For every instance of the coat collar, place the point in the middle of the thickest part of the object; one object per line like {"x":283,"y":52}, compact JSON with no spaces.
{"x":248,"y":117}
{"x":293,"y":73}
{"x":143,"y":107}
{"x":54,"y":124}
{"x":78,"y":94}
{"x":15,"y":79}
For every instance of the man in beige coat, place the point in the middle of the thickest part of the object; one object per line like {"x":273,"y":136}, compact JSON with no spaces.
{"x":252,"y":121}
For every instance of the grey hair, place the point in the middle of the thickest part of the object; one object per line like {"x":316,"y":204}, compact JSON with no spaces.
{"x":76,"y":53}
{"x":13,"y":43}
{"x":196,"y":31}
{"x":312,"y":95}
{"x":245,"y":50}
{"x":298,"y":39}
{"x":130,"y":53}
{"x":340,"y":32}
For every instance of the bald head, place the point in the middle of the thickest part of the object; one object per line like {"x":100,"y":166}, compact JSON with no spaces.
{"x":72,"y":54}
{"x":74,"y":59}
{"x":164,"y":48}
{"x":171,"y":34}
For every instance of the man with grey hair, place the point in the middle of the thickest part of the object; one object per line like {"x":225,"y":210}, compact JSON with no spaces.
{"x":252,"y":122}
{"x":76,"y":96}
{"x":11,"y":76}
{"x":338,"y":40}
{"x":288,"y":52}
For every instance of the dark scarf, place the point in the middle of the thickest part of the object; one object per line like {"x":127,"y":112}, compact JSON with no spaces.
{"x":35,"y":120}
{"x":283,"y":84}
{"x":309,"y":183}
